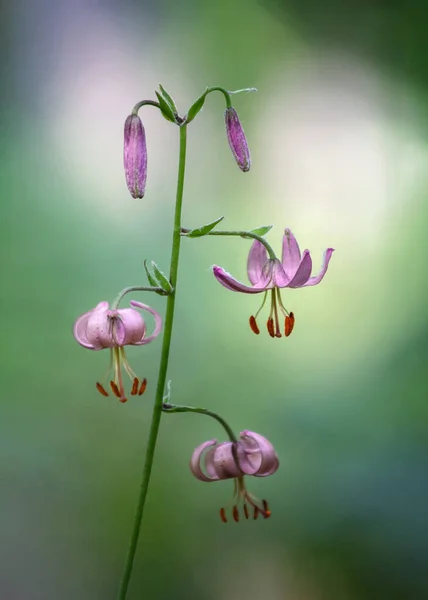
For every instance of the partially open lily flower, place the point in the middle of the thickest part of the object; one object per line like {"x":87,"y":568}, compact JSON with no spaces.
{"x":252,"y":454}
{"x":270,"y":275}
{"x":103,"y":327}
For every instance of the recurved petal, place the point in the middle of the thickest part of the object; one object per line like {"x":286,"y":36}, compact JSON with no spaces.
{"x":314,"y":280}
{"x":158,"y":322}
{"x":230,"y":283}
{"x":224,"y":461}
{"x":133,"y":325}
{"x":257,"y":258}
{"x":290,"y":253}
{"x":260,"y":453}
{"x":303,"y":272}
{"x":195,"y":462}
{"x":80,"y":328}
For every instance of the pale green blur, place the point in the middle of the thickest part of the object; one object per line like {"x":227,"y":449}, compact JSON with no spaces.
{"x":338,"y":137}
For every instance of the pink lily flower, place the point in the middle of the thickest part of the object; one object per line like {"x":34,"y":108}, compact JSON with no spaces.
{"x":103,"y":327}
{"x":252,"y":454}
{"x":270,"y":275}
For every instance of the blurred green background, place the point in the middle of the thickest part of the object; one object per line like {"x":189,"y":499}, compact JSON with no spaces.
{"x":338,"y":133}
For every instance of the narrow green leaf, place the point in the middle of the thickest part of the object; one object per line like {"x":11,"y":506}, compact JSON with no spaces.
{"x":162,"y":279}
{"x":168,"y":99}
{"x":262,"y":230}
{"x":195,"y":108}
{"x":165,"y":108}
{"x":205,"y":229}
{"x":150,"y":277}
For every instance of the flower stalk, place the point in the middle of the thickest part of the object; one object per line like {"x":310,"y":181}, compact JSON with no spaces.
{"x":163,"y":367}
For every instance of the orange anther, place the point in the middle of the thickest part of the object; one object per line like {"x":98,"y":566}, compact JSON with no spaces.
{"x":135,"y":386}
{"x":267,"y":512}
{"x":223,"y":515}
{"x":115,"y":389}
{"x":254,"y":326}
{"x":235,"y":514}
{"x":270,"y":327}
{"x":101,"y":389}
{"x":142,"y":387}
{"x":246,"y":511}
{"x":289,"y":324}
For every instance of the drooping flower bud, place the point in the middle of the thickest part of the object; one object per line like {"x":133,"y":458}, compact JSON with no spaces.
{"x":135,"y":156}
{"x":237,"y":140}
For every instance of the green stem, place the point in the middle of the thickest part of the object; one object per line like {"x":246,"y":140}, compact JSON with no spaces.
{"x":248,"y":234}
{"x":145,"y":103}
{"x":163,"y":367}
{"x":223,"y":91}
{"x":174,"y":408}
{"x":136,"y":288}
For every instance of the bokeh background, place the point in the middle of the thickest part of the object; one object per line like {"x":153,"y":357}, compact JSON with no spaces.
{"x":338,"y":132}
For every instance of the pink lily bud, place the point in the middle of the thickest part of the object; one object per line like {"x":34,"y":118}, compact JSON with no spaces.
{"x":237,"y":140}
{"x":135,"y":156}
{"x":252,"y":454}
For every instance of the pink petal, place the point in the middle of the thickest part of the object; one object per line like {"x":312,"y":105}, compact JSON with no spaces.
{"x":158,"y":323}
{"x":257,"y":258}
{"x":314,"y":280}
{"x":290,"y":253}
{"x":195,"y":462}
{"x":79,"y":330}
{"x":224,"y":461}
{"x":83,"y":335}
{"x":230,"y":283}
{"x":261,"y":453}
{"x":134,"y":327}
{"x":303,"y":272}
{"x":279,"y":277}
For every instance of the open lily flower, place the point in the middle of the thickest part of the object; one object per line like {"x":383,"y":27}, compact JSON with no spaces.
{"x":103,"y":327}
{"x":270,"y":275}
{"x":252,"y":454}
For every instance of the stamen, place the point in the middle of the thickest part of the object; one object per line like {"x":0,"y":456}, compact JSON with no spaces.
{"x":101,"y":389}
{"x":270,"y":327}
{"x":135,"y":386}
{"x":289,"y":324}
{"x":267,"y":512}
{"x":245,"y":511}
{"x":142,"y":387}
{"x":223,"y":515}
{"x":235,"y":514}
{"x":256,"y":512}
{"x":116,"y":390}
{"x":254,"y":326}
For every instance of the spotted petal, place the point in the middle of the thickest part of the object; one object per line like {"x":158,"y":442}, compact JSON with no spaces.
{"x":81,"y":323}
{"x":315,"y":280}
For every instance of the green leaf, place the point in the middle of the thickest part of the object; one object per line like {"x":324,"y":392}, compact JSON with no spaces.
{"x":150,"y":277}
{"x":168,"y":99}
{"x":262,"y":230}
{"x":162,"y":279}
{"x":195,"y":108}
{"x":165,"y":108}
{"x":205,"y":229}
